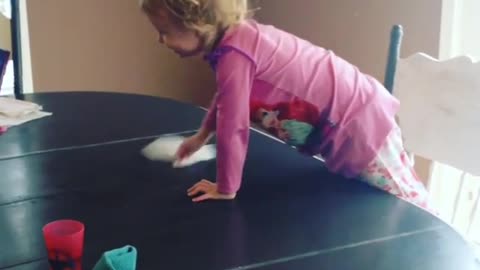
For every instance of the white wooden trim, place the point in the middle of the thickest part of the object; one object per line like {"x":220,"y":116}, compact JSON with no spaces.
{"x":26,"y":56}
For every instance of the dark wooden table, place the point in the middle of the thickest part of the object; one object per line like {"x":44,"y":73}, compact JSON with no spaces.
{"x":84,"y":163}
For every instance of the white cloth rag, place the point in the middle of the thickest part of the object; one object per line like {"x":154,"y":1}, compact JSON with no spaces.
{"x":165,"y":148}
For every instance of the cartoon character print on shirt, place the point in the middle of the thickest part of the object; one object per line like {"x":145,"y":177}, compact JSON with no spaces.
{"x":292,"y":121}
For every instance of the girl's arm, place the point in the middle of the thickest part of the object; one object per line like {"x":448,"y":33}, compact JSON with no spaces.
{"x":209,"y":122}
{"x":231,"y":110}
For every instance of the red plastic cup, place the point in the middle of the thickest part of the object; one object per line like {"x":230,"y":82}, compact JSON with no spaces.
{"x":64,"y":242}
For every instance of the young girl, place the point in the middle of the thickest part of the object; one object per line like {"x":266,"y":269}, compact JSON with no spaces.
{"x":303,"y":94}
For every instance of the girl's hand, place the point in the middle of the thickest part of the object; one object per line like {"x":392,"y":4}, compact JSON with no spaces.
{"x":209,"y":191}
{"x":191,"y":145}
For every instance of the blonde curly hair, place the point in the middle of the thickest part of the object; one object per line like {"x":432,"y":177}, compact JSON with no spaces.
{"x":206,"y":17}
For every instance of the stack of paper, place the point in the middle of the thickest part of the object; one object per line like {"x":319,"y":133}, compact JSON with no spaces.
{"x":15,"y":112}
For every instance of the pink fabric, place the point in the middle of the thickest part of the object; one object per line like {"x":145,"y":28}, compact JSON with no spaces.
{"x":293,"y":88}
{"x":392,"y":171}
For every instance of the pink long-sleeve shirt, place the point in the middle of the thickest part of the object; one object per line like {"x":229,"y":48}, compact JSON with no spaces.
{"x":301,"y":93}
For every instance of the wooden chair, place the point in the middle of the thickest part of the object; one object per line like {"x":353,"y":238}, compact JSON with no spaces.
{"x":439,"y":113}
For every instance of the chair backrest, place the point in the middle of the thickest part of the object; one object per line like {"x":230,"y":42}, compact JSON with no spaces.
{"x":439,"y":111}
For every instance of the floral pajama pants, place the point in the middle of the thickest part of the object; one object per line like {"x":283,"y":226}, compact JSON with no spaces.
{"x":392,"y":171}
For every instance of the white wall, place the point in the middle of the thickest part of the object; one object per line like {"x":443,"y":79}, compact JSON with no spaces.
{"x":470,"y":31}
{"x":460,"y":29}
